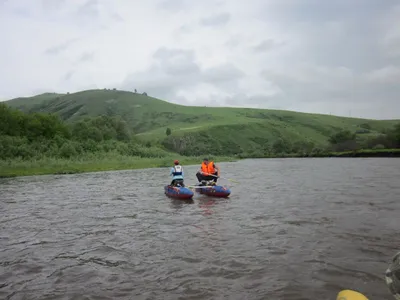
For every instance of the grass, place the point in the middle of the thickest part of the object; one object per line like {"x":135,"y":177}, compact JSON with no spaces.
{"x":367,"y":153}
{"x":196,"y":131}
{"x":26,"y":103}
{"x":355,"y":153}
{"x":150,"y":117}
{"x":90,"y":163}
{"x":108,"y":162}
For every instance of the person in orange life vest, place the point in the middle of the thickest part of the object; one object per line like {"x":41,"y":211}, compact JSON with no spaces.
{"x":208,"y":172}
{"x":177,"y":174}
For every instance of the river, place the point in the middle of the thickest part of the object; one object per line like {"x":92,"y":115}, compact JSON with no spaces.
{"x":292,"y":229}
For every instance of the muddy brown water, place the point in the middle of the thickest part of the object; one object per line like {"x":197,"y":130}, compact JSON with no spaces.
{"x":292,"y":229}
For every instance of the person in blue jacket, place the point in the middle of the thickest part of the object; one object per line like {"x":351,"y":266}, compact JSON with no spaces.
{"x":177,"y":174}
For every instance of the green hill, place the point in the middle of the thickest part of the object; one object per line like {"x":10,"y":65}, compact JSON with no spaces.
{"x":25,"y":103}
{"x":199,"y":130}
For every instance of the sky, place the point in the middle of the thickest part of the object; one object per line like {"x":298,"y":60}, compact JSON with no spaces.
{"x":337,"y":57}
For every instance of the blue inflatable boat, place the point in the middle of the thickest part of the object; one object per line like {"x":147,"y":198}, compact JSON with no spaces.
{"x":178,"y":192}
{"x":214,"y":191}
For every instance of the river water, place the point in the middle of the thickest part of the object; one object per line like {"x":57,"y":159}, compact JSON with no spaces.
{"x":292,"y":229}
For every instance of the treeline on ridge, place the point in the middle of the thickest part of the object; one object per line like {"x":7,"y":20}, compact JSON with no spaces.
{"x":235,"y":141}
{"x":39,"y":135}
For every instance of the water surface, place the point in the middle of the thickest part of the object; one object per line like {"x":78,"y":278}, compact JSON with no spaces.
{"x":292,"y":229}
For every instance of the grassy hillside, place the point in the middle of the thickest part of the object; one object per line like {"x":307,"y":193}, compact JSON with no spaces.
{"x":37,"y":143}
{"x":143,"y":113}
{"x":198,"y":130}
{"x":26,"y":103}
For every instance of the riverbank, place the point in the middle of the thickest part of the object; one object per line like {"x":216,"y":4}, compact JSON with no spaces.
{"x":358,"y":153}
{"x":92,"y":163}
{"x":366,"y":153}
{"x":114,"y":162}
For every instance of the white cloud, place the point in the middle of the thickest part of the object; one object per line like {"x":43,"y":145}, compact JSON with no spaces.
{"x":329,"y":57}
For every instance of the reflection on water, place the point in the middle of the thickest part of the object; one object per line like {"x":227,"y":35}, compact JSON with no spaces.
{"x":307,"y":229}
{"x":181,"y":203}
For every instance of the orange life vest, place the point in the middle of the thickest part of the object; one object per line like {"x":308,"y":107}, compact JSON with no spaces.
{"x":208,"y":169}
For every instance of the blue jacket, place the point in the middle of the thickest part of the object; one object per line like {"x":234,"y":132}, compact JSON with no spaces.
{"x":175,"y":173}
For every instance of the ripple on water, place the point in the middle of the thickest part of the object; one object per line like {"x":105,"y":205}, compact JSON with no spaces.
{"x":307,"y":229}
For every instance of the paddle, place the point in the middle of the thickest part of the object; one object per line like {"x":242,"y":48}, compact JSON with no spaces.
{"x":222,"y":177}
{"x":198,"y":186}
{"x":350,"y":295}
{"x":392,"y":281}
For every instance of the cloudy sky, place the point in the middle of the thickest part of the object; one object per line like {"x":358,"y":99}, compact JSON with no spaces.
{"x":340,"y":57}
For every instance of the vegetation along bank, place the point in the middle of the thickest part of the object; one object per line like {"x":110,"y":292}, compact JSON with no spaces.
{"x":99,"y":130}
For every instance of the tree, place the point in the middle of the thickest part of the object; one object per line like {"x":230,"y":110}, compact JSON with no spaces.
{"x":341,"y":136}
{"x":343,"y":140}
{"x":394,"y":135}
{"x":168,"y":131}
{"x":135,"y":90}
{"x":281,"y":146}
{"x":365,"y":126}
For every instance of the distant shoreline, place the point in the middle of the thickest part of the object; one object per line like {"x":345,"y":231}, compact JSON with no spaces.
{"x":366,"y":153}
{"x":53,"y":166}
{"x":357,"y":153}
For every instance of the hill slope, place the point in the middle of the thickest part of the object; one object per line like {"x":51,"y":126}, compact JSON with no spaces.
{"x":25,"y":103}
{"x":197,"y":130}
